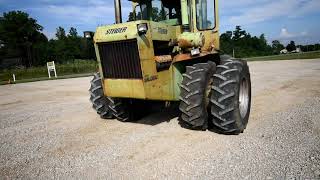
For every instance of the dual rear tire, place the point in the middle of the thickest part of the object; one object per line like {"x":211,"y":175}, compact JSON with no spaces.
{"x":216,"y":97}
{"x":194,"y":95}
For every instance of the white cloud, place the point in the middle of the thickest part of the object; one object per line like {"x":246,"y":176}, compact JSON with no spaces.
{"x":239,"y":3}
{"x":94,"y":13}
{"x":267,"y":10}
{"x":304,"y":33}
{"x":286,"y":36}
{"x":82,"y":15}
{"x":264,"y":12}
{"x":309,"y":7}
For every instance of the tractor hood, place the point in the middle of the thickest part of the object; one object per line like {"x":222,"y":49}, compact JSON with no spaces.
{"x":118,"y":32}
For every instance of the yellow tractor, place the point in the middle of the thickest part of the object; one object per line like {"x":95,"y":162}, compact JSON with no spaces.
{"x":169,"y":52}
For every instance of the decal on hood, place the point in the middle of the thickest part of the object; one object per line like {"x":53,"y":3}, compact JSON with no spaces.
{"x":117,"y":30}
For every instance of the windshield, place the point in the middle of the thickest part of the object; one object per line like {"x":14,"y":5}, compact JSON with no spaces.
{"x":159,"y":11}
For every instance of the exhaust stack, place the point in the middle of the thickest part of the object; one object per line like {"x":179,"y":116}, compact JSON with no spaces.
{"x":118,"y":15}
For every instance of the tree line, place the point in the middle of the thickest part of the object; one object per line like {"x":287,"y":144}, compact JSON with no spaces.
{"x":22,"y":37}
{"x":243,"y":44}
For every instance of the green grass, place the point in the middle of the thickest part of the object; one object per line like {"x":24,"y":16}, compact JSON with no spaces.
{"x":305,"y":55}
{"x":78,"y":67}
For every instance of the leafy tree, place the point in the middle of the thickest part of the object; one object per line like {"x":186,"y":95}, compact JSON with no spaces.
{"x":155,"y":14}
{"x":226,"y":42}
{"x":263,"y":39}
{"x":244,"y":44}
{"x":291,"y":46}
{"x":131,"y":17}
{"x":21,"y":36}
{"x":61,"y":33}
{"x":238,"y":33}
{"x":310,"y":47}
{"x":162,"y":15}
{"x":73,"y":44}
{"x":73,"y":32}
{"x":70,"y":47}
{"x":277,"y":46}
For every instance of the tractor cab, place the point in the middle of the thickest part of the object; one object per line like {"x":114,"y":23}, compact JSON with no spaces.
{"x":169,"y":12}
{"x":188,"y":24}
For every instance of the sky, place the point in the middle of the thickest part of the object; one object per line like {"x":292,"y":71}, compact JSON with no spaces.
{"x":284,"y":20}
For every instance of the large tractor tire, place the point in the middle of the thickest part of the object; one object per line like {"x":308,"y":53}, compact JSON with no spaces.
{"x":99,"y":101}
{"x":120,"y":109}
{"x":194,"y":96}
{"x":231,"y":97}
{"x":126,"y":110}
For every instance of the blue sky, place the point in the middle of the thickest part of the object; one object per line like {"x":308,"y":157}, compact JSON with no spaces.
{"x":285,"y":20}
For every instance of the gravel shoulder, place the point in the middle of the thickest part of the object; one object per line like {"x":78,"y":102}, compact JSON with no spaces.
{"x":48,"y":130}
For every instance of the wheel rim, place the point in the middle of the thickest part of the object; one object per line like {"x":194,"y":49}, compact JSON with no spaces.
{"x":244,"y":97}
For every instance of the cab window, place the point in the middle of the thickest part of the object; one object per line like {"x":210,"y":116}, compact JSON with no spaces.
{"x":205,"y":14}
{"x":159,"y":11}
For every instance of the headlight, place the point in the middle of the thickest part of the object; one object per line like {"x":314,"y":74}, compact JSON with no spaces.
{"x":142,"y":28}
{"x":88,"y":34}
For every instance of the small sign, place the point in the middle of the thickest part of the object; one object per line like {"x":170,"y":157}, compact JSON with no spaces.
{"x":51,"y":67}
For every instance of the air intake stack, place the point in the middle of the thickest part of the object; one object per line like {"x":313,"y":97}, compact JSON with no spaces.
{"x":118,"y":15}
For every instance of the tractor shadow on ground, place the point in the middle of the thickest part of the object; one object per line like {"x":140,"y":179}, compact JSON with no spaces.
{"x":158,"y":115}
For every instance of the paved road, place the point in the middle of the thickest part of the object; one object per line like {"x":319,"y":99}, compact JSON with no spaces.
{"x":48,"y":130}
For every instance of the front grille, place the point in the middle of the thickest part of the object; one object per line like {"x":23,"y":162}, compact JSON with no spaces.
{"x":120,"y":60}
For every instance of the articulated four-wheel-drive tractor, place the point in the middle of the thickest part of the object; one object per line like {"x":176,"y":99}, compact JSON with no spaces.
{"x":169,"y":52}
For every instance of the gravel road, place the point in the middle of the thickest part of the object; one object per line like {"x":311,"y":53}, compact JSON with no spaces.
{"x":49,"y":131}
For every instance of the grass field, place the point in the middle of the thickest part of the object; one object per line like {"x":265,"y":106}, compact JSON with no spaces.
{"x":305,"y":55}
{"x":68,"y":70}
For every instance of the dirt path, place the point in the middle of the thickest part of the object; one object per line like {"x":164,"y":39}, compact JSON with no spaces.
{"x":48,"y":130}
